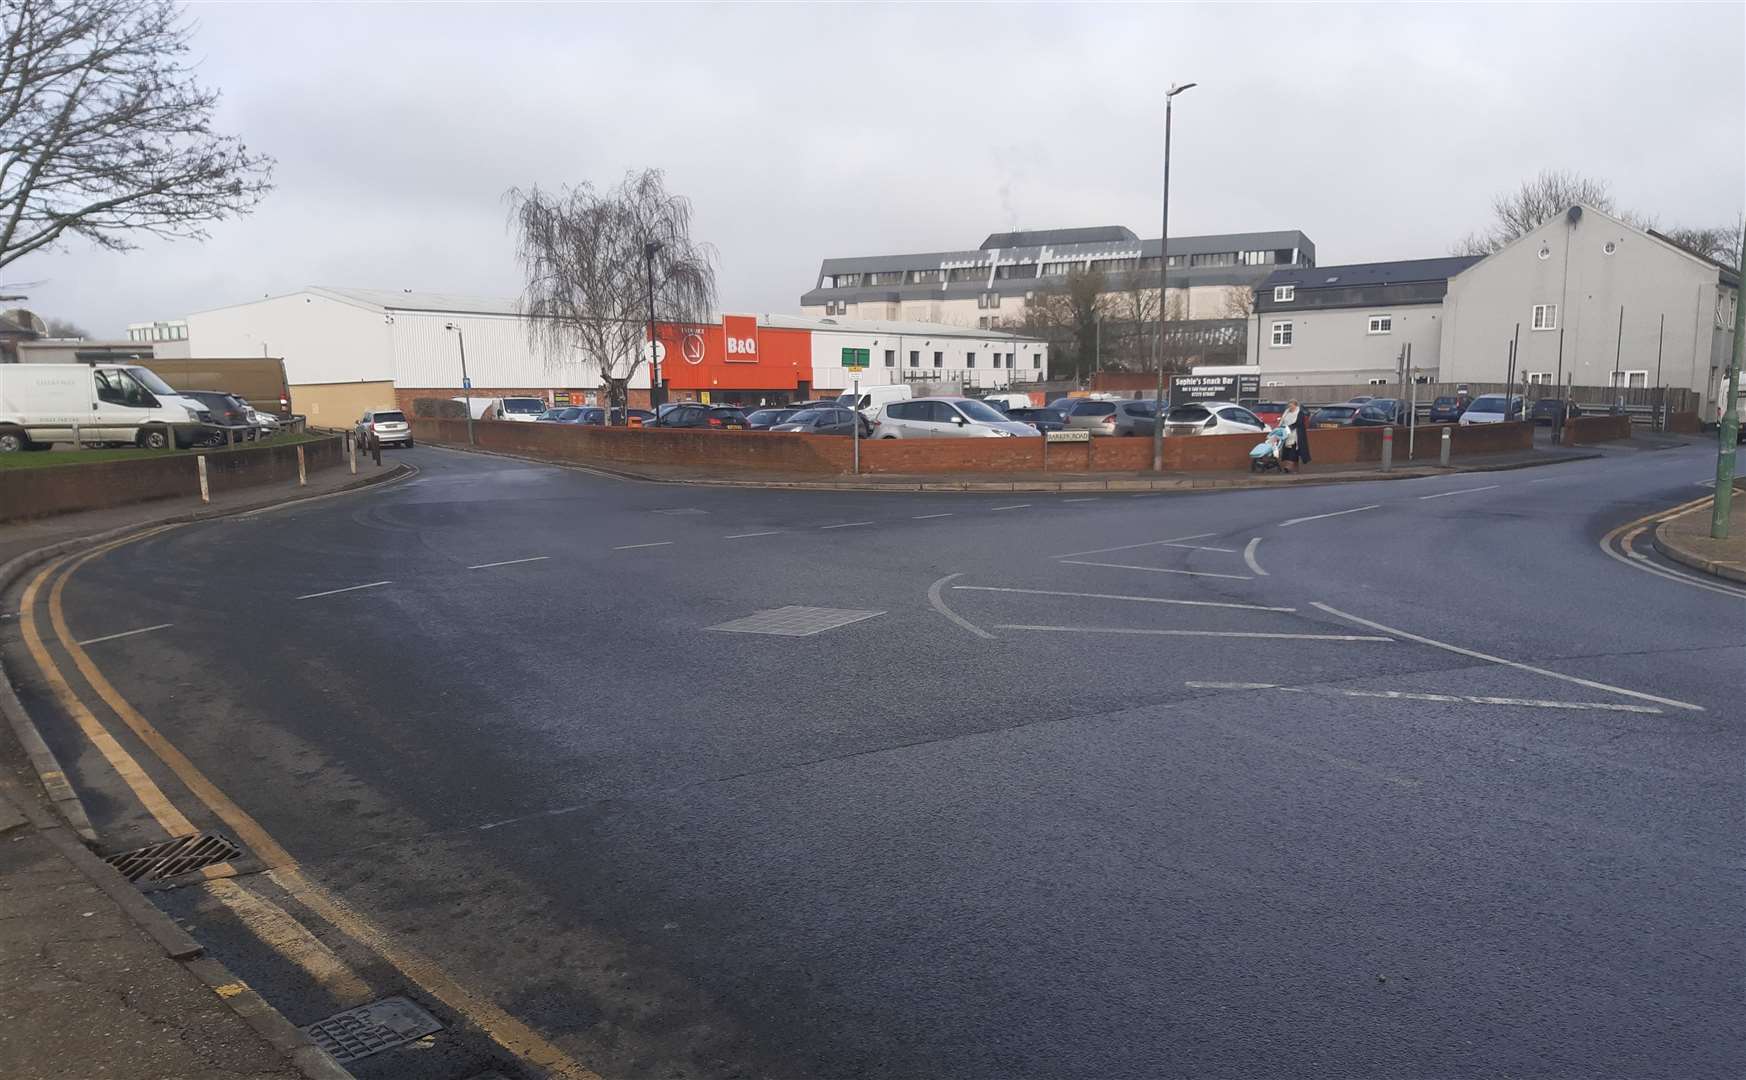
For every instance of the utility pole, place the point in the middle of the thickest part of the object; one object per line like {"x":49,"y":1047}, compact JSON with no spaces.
{"x":466,"y":383}
{"x":1618,"y":351}
{"x":1660,"y":398}
{"x":1728,"y":431}
{"x":649,"y":250}
{"x":1163,"y":290}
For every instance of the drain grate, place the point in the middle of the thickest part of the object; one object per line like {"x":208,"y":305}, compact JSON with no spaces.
{"x":173,"y":857}
{"x":371,"y":1029}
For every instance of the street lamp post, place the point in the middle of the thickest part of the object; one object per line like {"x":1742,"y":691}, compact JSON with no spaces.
{"x":649,"y":250}
{"x":466,"y":383}
{"x":1163,"y":292}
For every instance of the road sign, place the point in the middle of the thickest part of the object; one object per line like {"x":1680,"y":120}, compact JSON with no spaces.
{"x":466,"y":384}
{"x":856,"y":358}
{"x":1067,"y":436}
{"x":659,"y":351}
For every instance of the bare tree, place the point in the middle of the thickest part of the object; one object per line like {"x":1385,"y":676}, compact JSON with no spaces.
{"x":1239,"y":302}
{"x":1721,"y":243}
{"x":586,"y":256}
{"x":104,"y":131}
{"x":1537,"y":201}
{"x":65,"y":328}
{"x":1066,"y":316}
{"x":1135,"y":309}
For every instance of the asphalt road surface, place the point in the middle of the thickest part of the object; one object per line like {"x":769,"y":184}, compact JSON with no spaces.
{"x":1397,"y":779}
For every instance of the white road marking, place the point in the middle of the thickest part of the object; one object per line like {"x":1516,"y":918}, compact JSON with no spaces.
{"x":632,"y":547}
{"x":1199,"y":547}
{"x":1130,"y":547}
{"x":510,"y":562}
{"x":1113,"y":596}
{"x":1590,"y":683}
{"x":1410,"y":695}
{"x":1157,"y":569}
{"x":1093,"y":498}
{"x":1336,"y":513}
{"x":925,"y":517}
{"x":1249,"y":557}
{"x":939,"y":604}
{"x":1195,"y":633}
{"x":1014,"y":506}
{"x":846,"y":525}
{"x":348,"y":588}
{"x":742,"y":536}
{"x":1463,"y":491}
{"x":127,"y":633}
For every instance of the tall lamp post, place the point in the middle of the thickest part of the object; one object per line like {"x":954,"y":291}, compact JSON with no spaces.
{"x":1163,"y":292}
{"x":466,"y":383}
{"x":1728,"y":427}
{"x":649,"y":251}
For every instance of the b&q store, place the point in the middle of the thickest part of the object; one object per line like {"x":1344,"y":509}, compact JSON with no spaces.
{"x":349,"y":350}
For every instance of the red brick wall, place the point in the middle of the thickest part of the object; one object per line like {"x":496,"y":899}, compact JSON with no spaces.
{"x":725,"y":450}
{"x":1683,"y":423}
{"x":1595,"y":429}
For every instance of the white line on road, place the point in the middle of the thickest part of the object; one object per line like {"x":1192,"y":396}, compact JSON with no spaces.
{"x":1195,"y":633}
{"x":1087,"y":498}
{"x":1590,"y":683}
{"x":1113,"y":596}
{"x":348,"y":588}
{"x":632,"y":547}
{"x":1410,"y":695}
{"x":939,"y":604}
{"x":1249,"y":557}
{"x":845,"y":525}
{"x":127,"y":633}
{"x":1130,"y":547}
{"x":1463,"y":491}
{"x":743,"y":536}
{"x":1157,"y":569}
{"x":1014,"y":506}
{"x":925,"y":517}
{"x":1336,"y":513}
{"x":510,"y":562}
{"x":1199,"y":547}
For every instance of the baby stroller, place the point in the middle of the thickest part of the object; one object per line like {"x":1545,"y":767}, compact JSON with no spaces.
{"x":1266,"y":455}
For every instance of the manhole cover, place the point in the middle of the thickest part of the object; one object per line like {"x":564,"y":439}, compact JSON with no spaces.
{"x":371,"y":1029}
{"x":795,"y":621}
{"x":173,"y":857}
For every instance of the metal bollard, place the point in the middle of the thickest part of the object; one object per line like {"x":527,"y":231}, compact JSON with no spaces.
{"x":352,"y":450}
{"x":1444,"y":453}
{"x":302,"y":471}
{"x":376,"y":447}
{"x":1387,"y":449}
{"x":200,"y":465}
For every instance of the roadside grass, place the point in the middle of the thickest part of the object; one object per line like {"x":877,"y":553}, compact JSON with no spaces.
{"x":67,"y":457}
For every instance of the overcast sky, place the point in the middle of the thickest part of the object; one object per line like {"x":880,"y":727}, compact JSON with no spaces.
{"x":1381,"y":131}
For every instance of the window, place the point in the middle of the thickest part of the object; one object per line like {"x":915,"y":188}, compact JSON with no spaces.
{"x":967,"y":273}
{"x":1534,"y":377}
{"x":118,"y":388}
{"x":915,"y":358}
{"x":1111,"y":266}
{"x":988,"y":300}
{"x":1628,"y":379}
{"x":1036,"y":360}
{"x":1545,"y":316}
{"x":1281,"y":335}
{"x":939,"y":412}
{"x":969,"y":359}
{"x":1380,"y":382}
{"x":890,"y":357}
{"x":1284,"y":294}
{"x":1255,"y":258}
{"x":1282,"y":257}
{"x":924,"y":277}
{"x":885,"y":277}
{"x":1175,"y":260}
{"x":939,"y":359}
{"x":848,"y":281}
{"x":1214,"y":258}
{"x":1382,"y":324}
{"x":982,"y":323}
{"x":1727,"y":305}
{"x":1016,"y":270}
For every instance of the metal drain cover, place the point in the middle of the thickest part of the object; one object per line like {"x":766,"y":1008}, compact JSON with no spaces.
{"x":371,"y":1029}
{"x":793,"y":621}
{"x":171,"y":858}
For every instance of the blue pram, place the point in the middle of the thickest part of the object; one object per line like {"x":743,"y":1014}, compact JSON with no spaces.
{"x":1267,"y":454}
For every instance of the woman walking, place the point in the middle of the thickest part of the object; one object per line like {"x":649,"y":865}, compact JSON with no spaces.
{"x":1297,"y":449}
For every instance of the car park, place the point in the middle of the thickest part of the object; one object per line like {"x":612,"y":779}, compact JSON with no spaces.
{"x":1211,"y":418}
{"x":230,"y":417}
{"x":265,"y":423}
{"x":765,"y":419}
{"x":1332,"y":416}
{"x":386,"y":426}
{"x":1553,"y":411}
{"x":1044,"y":420}
{"x":833,"y":421}
{"x":527,"y":409}
{"x":945,"y":417}
{"x":1381,"y":412}
{"x":872,"y":397}
{"x":1492,"y":409}
{"x":584,"y":414}
{"x":1447,"y":410}
{"x":1008,"y":402}
{"x":42,"y":404}
{"x":693,"y":414}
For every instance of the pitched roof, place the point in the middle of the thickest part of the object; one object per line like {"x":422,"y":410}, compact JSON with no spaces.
{"x":1356,"y":275}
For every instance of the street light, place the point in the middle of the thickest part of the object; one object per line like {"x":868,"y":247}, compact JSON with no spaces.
{"x":649,"y":250}
{"x":1164,"y":293}
{"x":466,"y":383}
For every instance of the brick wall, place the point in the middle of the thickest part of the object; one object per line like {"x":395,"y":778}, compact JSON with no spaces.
{"x":1595,"y":429}
{"x":1683,"y":423}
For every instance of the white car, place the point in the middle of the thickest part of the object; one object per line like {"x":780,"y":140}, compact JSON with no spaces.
{"x":1212,"y":418}
{"x":265,"y":423}
{"x":945,"y":418}
{"x":1489,"y":409}
{"x":388,"y":426}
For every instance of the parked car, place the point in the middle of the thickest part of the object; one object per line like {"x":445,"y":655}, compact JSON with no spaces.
{"x":1063,"y":405}
{"x":620,"y":417}
{"x":230,"y":417}
{"x":1381,"y":412}
{"x":1492,"y":409}
{"x":1008,"y":402}
{"x":692,"y":414}
{"x":765,"y":419}
{"x":1447,"y":410}
{"x":387,"y":425}
{"x":1212,"y":418}
{"x":265,"y":423}
{"x":872,"y":397}
{"x":1333,"y":416}
{"x":1130,"y":418}
{"x":40,"y":405}
{"x":944,"y":417}
{"x":1547,"y":411}
{"x":1268,"y":411}
{"x":826,"y":422}
{"x":1093,"y":415}
{"x":1360,"y":399}
{"x":1044,"y":420}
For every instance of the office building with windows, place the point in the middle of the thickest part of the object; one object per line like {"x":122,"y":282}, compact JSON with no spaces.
{"x":990,"y":285}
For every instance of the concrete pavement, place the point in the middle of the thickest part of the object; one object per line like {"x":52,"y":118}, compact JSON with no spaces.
{"x":1368,"y":780}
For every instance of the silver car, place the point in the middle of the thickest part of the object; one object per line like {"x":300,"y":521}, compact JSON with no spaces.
{"x":388,"y":426}
{"x":945,"y":418}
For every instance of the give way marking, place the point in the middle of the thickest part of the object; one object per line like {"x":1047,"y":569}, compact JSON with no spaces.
{"x":1409,"y":695}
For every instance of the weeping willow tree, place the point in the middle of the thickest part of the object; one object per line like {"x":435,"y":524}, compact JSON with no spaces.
{"x":591,"y":259}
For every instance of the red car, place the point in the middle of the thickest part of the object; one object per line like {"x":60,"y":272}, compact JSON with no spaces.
{"x":1269,"y":412}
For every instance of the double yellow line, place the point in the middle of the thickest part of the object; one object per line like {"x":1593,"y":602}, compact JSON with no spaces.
{"x":1626,"y":535}
{"x":274,"y":926}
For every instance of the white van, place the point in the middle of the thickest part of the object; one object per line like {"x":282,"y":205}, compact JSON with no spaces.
{"x":1009,"y":401}
{"x":505,"y":408}
{"x":43,"y":404}
{"x":873,"y":398}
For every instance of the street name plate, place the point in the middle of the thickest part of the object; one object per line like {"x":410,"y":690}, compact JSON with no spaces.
{"x":1067,"y":436}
